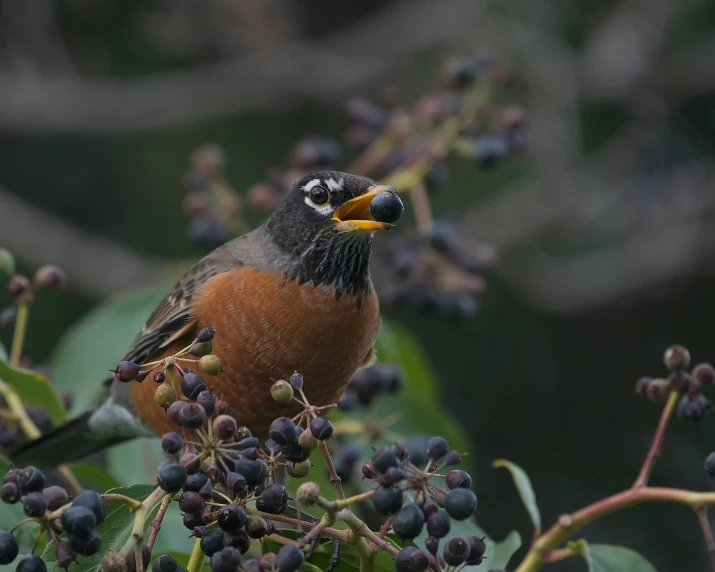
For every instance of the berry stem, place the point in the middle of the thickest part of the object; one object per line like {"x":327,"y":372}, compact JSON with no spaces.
{"x":569,"y":524}
{"x":140,"y":515}
{"x":334,"y":478}
{"x":138,"y":562}
{"x":156,"y":523}
{"x":702,"y":513}
{"x":327,"y":520}
{"x":18,"y":337}
{"x":332,"y":532}
{"x":197,"y":557}
{"x":654,"y":451}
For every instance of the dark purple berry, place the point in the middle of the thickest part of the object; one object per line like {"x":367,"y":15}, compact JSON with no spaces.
{"x":248,"y":443}
{"x":458,"y":479}
{"x":321,"y":428}
{"x":172,"y":443}
{"x":195,"y":482}
{"x":127,"y":371}
{"x":10,"y":493}
{"x":453,"y":458}
{"x":65,"y":554}
{"x":172,"y":477}
{"x":383,"y":459}
{"x":386,"y":207}
{"x":273,"y":499}
{"x":676,"y":358}
{"x":193,"y":520}
{"x":55,"y":496}
{"x":296,"y":381}
{"x":226,"y":560}
{"x":282,"y":431}
{"x":642,"y":385}
{"x":409,"y":522}
{"x":205,"y":335}
{"x":192,"y":416}
{"x":387,"y":500}
{"x":212,"y":542}
{"x":710,"y":464}
{"x":411,"y":559}
{"x":165,"y":563}
{"x":438,"y":524}
{"x":86,"y":546}
{"x":255,"y":471}
{"x":31,"y":563}
{"x":8,"y":547}
{"x":192,"y":384}
{"x":34,"y":504}
{"x":703,"y":375}
{"x":238,"y":539}
{"x":392,"y":476}
{"x":174,"y":410}
{"x":477,"y":550}
{"x":456,"y":551}
{"x":432,"y":545}
{"x":191,"y":502}
{"x":692,"y":407}
{"x":207,"y":400}
{"x":30,"y":479}
{"x":237,"y":483}
{"x":460,"y":504}
{"x":225,"y":427}
{"x":146,"y":557}
{"x":436,"y":448}
{"x":78,"y":521}
{"x":289,"y":558}
{"x":231,"y":517}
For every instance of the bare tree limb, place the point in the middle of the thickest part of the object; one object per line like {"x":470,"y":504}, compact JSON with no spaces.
{"x":95,"y":266}
{"x":328,"y":69}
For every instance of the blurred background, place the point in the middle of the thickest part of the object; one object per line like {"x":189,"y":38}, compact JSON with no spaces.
{"x":604,"y":225}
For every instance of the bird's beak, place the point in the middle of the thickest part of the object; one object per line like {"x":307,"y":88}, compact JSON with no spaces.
{"x":355,"y":213}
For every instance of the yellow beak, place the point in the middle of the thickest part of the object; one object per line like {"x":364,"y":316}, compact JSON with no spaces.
{"x":355,"y":213}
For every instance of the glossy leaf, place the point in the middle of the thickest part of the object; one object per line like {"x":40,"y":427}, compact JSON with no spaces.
{"x":609,"y":558}
{"x":526,"y":491}
{"x":397,"y":345}
{"x":115,"y":530}
{"x":10,"y":515}
{"x":33,"y":389}
{"x":98,"y":341}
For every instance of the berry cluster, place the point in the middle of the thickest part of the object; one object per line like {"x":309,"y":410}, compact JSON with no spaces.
{"x":405,"y":144}
{"x":23,"y":291}
{"x":49,"y":506}
{"x":692,"y":405}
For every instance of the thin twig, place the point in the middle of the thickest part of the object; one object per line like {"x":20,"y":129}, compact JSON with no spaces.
{"x":334,"y":478}
{"x":702,"y":513}
{"x":18,"y":338}
{"x":654,"y":451}
{"x":156,"y":523}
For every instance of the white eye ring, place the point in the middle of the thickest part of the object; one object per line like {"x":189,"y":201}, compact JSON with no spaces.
{"x":325,"y":209}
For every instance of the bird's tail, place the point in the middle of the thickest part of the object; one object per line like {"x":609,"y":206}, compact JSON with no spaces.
{"x":67,"y":443}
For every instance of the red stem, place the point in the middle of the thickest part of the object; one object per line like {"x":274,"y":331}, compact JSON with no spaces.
{"x":654,"y":451}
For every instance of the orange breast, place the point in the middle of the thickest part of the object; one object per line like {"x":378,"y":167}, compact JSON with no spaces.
{"x":267,"y":328}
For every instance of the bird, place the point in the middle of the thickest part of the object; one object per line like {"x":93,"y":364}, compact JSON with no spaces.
{"x":293,"y":295}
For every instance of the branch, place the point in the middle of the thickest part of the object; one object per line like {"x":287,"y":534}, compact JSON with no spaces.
{"x":702,"y":513}
{"x":328,"y":69}
{"x":654,"y":451}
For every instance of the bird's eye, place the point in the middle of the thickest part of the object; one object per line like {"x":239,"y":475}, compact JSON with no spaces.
{"x":319,"y":195}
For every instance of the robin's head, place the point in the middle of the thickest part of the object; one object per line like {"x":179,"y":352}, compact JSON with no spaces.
{"x":325,"y":226}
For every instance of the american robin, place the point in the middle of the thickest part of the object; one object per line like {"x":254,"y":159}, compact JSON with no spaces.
{"x":293,"y":295}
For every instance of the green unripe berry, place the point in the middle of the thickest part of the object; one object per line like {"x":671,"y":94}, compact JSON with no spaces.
{"x":210,"y":364}
{"x":282,"y":391}
{"x":200,"y":349}
{"x":307,"y":441}
{"x":164,"y":395}
{"x":7,"y":262}
{"x":299,"y":470}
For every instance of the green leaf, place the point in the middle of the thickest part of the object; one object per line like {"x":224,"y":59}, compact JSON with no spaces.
{"x":115,"y":530}
{"x":526,"y":491}
{"x":397,"y":345}
{"x":93,"y":475}
{"x":33,"y":389}
{"x":94,"y":344}
{"x":10,"y":515}
{"x":609,"y":558}
{"x":501,"y":552}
